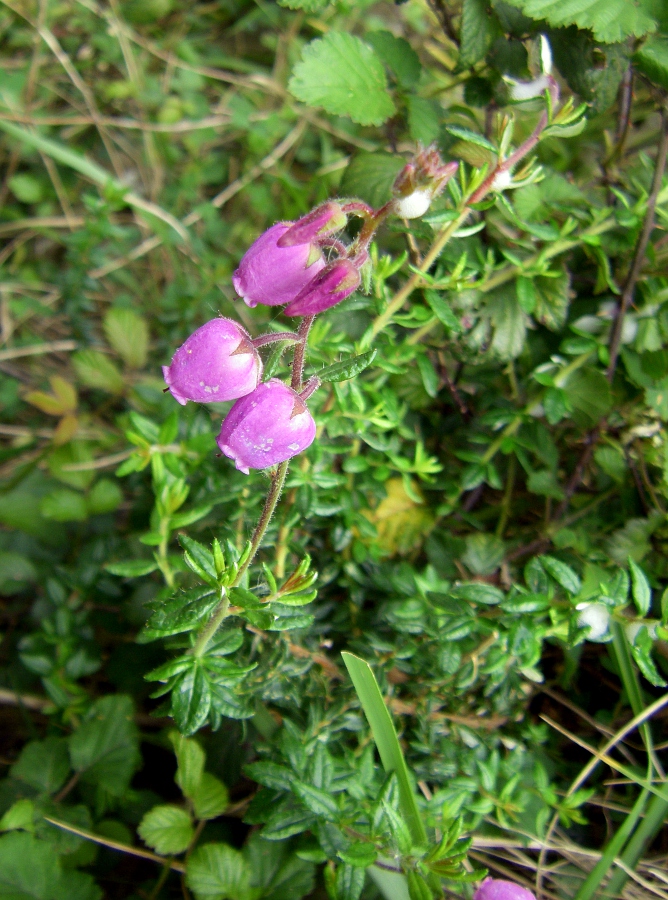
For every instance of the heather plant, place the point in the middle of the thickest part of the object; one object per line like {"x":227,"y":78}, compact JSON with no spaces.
{"x":367,"y":601}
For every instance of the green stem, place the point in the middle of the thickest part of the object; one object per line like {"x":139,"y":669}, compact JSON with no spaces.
{"x":222,"y":609}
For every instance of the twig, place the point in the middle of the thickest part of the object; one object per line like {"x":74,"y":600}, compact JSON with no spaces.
{"x":37,"y":349}
{"x":115,"y":845}
{"x":29,"y":701}
{"x":641,"y":246}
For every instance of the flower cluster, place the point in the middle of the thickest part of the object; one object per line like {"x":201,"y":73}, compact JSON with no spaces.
{"x":305,"y":268}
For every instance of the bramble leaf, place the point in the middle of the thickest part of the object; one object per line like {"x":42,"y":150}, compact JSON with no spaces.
{"x":343,"y":75}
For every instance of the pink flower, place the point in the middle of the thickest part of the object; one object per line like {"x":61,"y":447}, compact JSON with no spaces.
{"x":272,"y":274}
{"x":497,"y":889}
{"x":266,"y":427}
{"x":334,"y":283}
{"x":218,"y":362}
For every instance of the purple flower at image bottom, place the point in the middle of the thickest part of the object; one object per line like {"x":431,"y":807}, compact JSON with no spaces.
{"x":266,"y":427}
{"x":274,"y":275}
{"x":497,"y":889}
{"x":217,"y":362}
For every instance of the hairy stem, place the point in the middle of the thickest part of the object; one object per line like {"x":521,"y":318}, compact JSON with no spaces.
{"x":641,"y":246}
{"x":300,"y":353}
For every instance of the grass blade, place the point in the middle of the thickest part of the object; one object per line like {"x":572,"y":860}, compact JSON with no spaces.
{"x":386,"y":740}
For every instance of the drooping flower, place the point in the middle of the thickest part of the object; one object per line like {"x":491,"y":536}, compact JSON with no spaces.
{"x":266,"y":427}
{"x":321,"y":222}
{"x":217,"y":362}
{"x":272,"y":274}
{"x":334,"y":283}
{"x":497,"y":889}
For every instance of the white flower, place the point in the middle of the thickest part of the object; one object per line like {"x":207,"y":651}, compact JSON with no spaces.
{"x":596,"y":617}
{"x":414,"y":205}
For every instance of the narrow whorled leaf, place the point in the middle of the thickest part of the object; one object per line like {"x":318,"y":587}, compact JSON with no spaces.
{"x":347,"y":368}
{"x":199,"y":558}
{"x":320,"y":802}
{"x":642,"y":593}
{"x":183,"y":612}
{"x":191,"y":700}
{"x":133,"y":568}
{"x":562,"y":574}
{"x":471,"y":137}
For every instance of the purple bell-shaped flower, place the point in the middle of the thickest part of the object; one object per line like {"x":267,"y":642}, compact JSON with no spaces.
{"x":218,"y":362}
{"x":272,"y":274}
{"x":266,"y":427}
{"x":497,"y":889}
{"x":334,"y":283}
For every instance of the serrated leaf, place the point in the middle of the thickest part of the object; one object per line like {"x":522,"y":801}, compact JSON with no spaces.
{"x":127,"y":332}
{"x":652,"y":60}
{"x":211,"y":798}
{"x":398,"y":54}
{"x":477,"y":32}
{"x":201,"y":557}
{"x":442,"y":310}
{"x":181,"y":613}
{"x":44,"y":765}
{"x":562,"y":574}
{"x":343,"y":75}
{"x":218,"y":872}
{"x":612,"y":21}
{"x":370,"y":177}
{"x":478,"y":592}
{"x":347,"y":368}
{"x":642,"y":593}
{"x":319,"y":802}
{"x":95,"y":370}
{"x":105,"y":747}
{"x":191,"y":700}
{"x":29,"y":868}
{"x":471,"y":137}
{"x":190,"y":758}
{"x":167,"y":829}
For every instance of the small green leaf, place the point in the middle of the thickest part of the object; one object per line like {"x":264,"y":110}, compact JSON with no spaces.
{"x":442,"y":310}
{"x":612,"y":21}
{"x":95,"y":370}
{"x":127,"y":332}
{"x":218,"y":872}
{"x":359,"y":854}
{"x":64,"y":505}
{"x":652,"y":60}
{"x":478,"y":29}
{"x":210,"y":798}
{"x":133,"y":568}
{"x":642,"y":593}
{"x":471,"y":137}
{"x":191,"y":700}
{"x":199,"y":558}
{"x":429,"y":375}
{"x":190,"y":758}
{"x":105,"y":497}
{"x":343,"y":75}
{"x":167,"y":829}
{"x":397,"y":54}
{"x":44,"y":765}
{"x":347,"y":368}
{"x":320,"y":802}
{"x":19,"y":816}
{"x":183,"y":612}
{"x":562,"y":574}
{"x":105,"y":747}
{"x":478,"y":592}
{"x":25,"y":188}
{"x":370,"y":177}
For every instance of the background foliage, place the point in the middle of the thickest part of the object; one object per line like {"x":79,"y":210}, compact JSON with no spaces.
{"x":484,"y":505}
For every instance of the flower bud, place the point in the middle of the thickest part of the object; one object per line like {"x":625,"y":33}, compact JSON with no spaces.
{"x":334,"y":283}
{"x":319,"y":223}
{"x":420,"y":181}
{"x":273,"y":274}
{"x":266,"y":427}
{"x":497,"y":889}
{"x":218,"y":362}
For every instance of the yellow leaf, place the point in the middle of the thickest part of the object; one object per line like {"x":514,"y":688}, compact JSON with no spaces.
{"x":401,"y":523}
{"x":67,"y":428}
{"x":65,"y":392}
{"x":52,"y":406}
